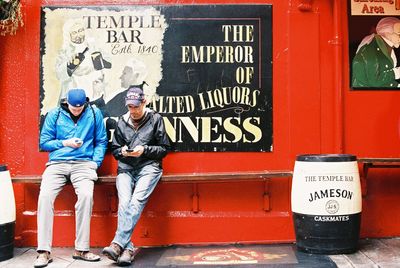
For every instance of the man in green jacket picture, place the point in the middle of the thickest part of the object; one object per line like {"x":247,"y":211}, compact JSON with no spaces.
{"x":375,"y":62}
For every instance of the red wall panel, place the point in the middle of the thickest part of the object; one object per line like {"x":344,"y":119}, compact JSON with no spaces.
{"x":306,"y":109}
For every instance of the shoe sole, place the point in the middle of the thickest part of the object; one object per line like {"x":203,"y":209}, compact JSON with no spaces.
{"x":83,"y":259}
{"x":43,"y":265}
{"x":110,"y":255}
{"x":123,"y":263}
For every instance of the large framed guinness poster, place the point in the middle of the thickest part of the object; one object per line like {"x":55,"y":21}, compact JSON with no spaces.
{"x":207,"y":69}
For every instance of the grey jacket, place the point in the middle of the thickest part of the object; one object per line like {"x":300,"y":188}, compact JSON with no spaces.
{"x":150,"y":134}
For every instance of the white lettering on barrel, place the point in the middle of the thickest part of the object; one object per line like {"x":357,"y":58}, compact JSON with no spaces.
{"x":332,"y":218}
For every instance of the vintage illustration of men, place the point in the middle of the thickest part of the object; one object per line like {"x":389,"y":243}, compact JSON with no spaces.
{"x":80,"y":62}
{"x":93,"y":56}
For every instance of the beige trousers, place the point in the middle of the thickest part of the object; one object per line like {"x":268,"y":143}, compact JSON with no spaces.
{"x":82,"y":175}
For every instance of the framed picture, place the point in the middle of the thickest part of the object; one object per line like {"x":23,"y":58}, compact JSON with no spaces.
{"x":374,"y":39}
{"x":207,"y":69}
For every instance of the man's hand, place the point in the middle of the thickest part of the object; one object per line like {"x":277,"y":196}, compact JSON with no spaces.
{"x":137,"y":151}
{"x":73,"y":143}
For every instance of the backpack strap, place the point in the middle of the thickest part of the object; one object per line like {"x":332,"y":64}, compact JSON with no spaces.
{"x":94,"y":128}
{"x":55,"y":122}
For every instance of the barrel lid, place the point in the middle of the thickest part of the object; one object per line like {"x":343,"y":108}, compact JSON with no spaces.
{"x":3,"y":167}
{"x":326,"y":157}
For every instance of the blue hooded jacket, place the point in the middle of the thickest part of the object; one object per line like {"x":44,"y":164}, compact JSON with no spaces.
{"x":59,"y":126}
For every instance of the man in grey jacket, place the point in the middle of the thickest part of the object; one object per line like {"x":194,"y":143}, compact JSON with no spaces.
{"x":139,"y":144}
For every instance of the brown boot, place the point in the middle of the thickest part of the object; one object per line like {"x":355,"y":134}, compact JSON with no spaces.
{"x":127,"y":257}
{"x":113,"y":251}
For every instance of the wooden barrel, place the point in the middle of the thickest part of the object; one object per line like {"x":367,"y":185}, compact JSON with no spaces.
{"x":326,"y":203}
{"x":7,"y":215}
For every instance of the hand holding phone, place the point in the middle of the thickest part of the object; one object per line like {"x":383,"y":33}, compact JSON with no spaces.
{"x":72,"y":142}
{"x":134,"y":152}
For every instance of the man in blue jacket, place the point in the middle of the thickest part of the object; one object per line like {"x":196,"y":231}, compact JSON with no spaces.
{"x":75,"y":136}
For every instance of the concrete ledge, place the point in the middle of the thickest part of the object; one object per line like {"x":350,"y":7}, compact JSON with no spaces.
{"x":380,"y":161}
{"x":374,"y":162}
{"x":185,"y":177}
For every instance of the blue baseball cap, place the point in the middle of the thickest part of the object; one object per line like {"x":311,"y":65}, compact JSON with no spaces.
{"x":134,"y":96}
{"x":76,"y":97}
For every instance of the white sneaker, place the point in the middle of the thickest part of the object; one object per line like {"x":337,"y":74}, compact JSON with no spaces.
{"x":43,"y":259}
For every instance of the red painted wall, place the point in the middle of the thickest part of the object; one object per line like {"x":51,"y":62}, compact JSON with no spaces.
{"x":314,"y":111}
